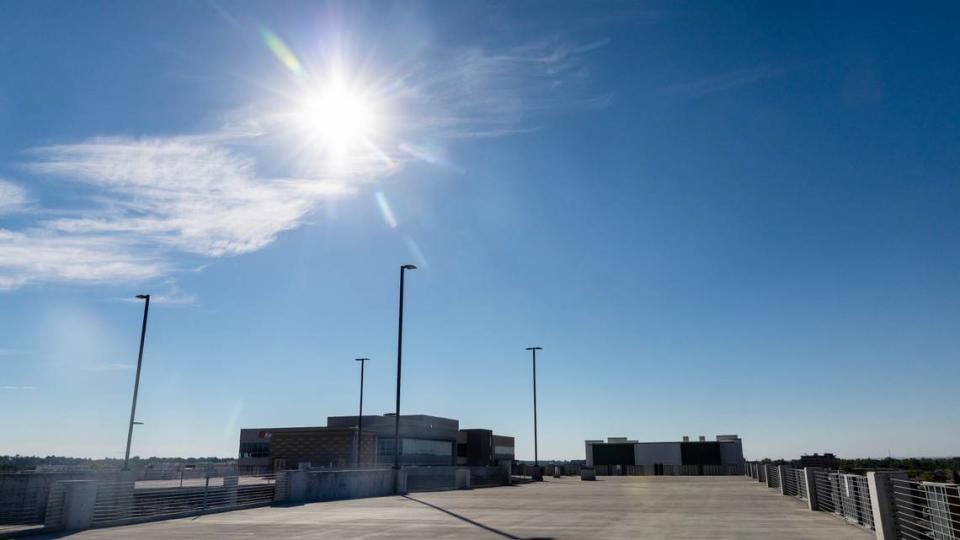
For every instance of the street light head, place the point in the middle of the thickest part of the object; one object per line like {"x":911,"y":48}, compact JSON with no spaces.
{"x":143,"y":296}
{"x":534,"y":348}
{"x":362,"y":359}
{"x":409,"y":267}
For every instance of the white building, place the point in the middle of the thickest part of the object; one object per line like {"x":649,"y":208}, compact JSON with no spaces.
{"x":686,"y":457}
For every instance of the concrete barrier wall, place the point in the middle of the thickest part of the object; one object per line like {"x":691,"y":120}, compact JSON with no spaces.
{"x":24,"y":496}
{"x":431,"y":478}
{"x":489,"y":476}
{"x":442,"y":478}
{"x":350,"y":484}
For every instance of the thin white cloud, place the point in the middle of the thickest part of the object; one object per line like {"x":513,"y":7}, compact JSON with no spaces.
{"x":41,"y":255}
{"x":173,"y":295}
{"x":18,"y":388}
{"x":495,"y":91}
{"x":151,"y":198}
{"x":726,"y":81}
{"x":13,"y":198}
{"x":196,"y":197}
{"x":114,"y":366}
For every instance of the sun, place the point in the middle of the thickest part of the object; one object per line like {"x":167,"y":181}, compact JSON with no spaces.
{"x":339,"y":117}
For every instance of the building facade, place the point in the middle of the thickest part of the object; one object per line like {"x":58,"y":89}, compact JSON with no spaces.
{"x":286,"y":448}
{"x":424,"y":440}
{"x":480,"y":447}
{"x":721,"y":456}
{"x":827,"y":461}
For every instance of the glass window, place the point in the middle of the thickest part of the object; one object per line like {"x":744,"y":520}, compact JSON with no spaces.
{"x":254,"y":450}
{"x":418,"y":450}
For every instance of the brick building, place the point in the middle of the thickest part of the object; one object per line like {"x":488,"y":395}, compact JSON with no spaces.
{"x":286,"y":448}
{"x":424,"y":440}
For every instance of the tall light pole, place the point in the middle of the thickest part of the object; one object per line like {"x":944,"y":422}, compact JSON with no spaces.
{"x":396,"y":420}
{"x":536,"y":457}
{"x":362,"y":361}
{"x":136,"y":382}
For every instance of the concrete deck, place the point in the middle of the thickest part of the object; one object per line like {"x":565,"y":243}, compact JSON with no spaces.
{"x":611,"y":507}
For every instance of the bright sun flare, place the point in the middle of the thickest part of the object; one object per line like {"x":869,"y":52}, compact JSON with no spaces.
{"x":339,"y":117}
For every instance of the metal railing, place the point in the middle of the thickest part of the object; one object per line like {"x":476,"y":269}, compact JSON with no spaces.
{"x":23,"y":499}
{"x":926,"y":510}
{"x":790,"y":481}
{"x":827,"y":497}
{"x":21,"y":510}
{"x":846,"y":496}
{"x":773,"y":476}
{"x":855,"y":499}
{"x":121,"y":502}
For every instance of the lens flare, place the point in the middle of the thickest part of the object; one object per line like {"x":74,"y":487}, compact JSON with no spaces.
{"x":388,"y":216}
{"x":415,"y":252}
{"x":281,"y":51}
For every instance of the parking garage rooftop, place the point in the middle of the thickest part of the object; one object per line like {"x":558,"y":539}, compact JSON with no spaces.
{"x":724,"y":507}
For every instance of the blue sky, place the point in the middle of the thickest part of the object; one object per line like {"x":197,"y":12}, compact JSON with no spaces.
{"x":715,"y":218}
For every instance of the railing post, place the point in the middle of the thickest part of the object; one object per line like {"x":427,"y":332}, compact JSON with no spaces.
{"x":770,"y":477}
{"x":79,"y":499}
{"x":400,"y":478}
{"x":810,"y":474}
{"x":462,"y":478}
{"x":206,"y":487}
{"x":506,"y":466}
{"x":882,"y":503}
{"x":230,"y":485}
{"x":280,"y":487}
{"x":782,"y":476}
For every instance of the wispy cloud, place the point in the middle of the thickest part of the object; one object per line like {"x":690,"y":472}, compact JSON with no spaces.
{"x":150,"y":198}
{"x":18,"y":388}
{"x":114,"y":366}
{"x":13,"y":198}
{"x":142,"y":204}
{"x":173,"y":295}
{"x":495,"y":91}
{"x":199,"y":198}
{"x":44,"y":255}
{"x":726,"y":81}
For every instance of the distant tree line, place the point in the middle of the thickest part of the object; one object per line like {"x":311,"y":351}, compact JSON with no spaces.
{"x":28,"y":463}
{"x":945,"y":469}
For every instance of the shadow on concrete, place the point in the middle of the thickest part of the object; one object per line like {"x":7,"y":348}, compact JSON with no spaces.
{"x":470,"y":521}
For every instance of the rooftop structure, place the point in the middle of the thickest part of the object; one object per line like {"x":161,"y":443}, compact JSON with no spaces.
{"x":826,"y":460}
{"x":721,"y":456}
{"x":424,"y":440}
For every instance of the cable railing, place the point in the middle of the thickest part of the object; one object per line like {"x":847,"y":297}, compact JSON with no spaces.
{"x":127,"y":501}
{"x":23,"y":499}
{"x":827,"y":495}
{"x":21,"y":511}
{"x":790,"y":481}
{"x":926,"y":510}
{"x":847,"y":496}
{"x":853,"y":497}
{"x":773,"y":476}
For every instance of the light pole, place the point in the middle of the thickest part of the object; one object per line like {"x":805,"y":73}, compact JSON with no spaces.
{"x":396,"y":420}
{"x":136,"y":383}
{"x":536,"y":457}
{"x":362,"y":361}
